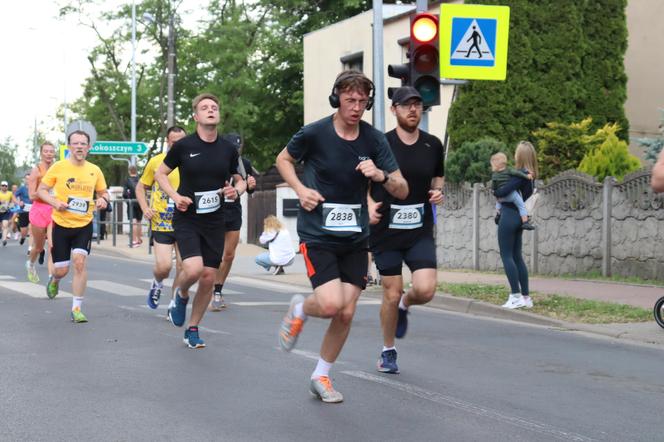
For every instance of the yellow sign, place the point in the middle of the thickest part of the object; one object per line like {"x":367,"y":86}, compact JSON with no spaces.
{"x":473,"y":41}
{"x":64,"y":152}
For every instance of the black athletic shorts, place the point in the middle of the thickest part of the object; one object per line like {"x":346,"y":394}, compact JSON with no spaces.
{"x":68,"y":240}
{"x":348,"y":263}
{"x":136,"y":212}
{"x":421,"y":255}
{"x":167,"y":238}
{"x":202,"y":239}
{"x":232,"y":222}
{"x":6,"y":216}
{"x":23,"y":219}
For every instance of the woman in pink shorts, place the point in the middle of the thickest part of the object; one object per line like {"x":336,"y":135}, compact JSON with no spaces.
{"x":40,"y":212}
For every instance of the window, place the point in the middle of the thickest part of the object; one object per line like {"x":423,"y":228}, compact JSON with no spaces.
{"x":353,"y":61}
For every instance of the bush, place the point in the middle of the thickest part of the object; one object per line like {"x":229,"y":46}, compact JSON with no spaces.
{"x":470,"y":162}
{"x":610,"y":156}
{"x":653,"y":146}
{"x":561,"y":147}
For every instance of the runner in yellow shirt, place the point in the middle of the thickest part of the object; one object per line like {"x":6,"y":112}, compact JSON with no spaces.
{"x":75,"y":182}
{"x":7,"y":200}
{"x":160,"y":213}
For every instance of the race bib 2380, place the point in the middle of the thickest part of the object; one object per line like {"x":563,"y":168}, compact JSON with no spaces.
{"x":406,"y":217}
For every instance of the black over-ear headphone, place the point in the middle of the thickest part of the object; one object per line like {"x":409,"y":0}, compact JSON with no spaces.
{"x":334,"y":97}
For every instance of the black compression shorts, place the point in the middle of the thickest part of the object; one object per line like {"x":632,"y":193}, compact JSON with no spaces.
{"x":421,"y":255}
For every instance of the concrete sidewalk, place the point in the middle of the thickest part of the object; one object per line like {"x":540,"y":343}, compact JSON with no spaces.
{"x":622,"y":293}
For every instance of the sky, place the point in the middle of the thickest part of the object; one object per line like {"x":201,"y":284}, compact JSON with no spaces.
{"x":44,"y":61}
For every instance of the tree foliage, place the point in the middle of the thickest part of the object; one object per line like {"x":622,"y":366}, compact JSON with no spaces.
{"x":470,"y":162}
{"x":8,"y":151}
{"x":561,"y":146}
{"x":565,"y":62}
{"x":610,"y":156}
{"x":249,"y":54}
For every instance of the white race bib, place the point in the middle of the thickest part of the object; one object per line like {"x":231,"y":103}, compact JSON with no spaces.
{"x":78,"y":205}
{"x":207,"y":202}
{"x":406,"y":217}
{"x":341,"y":217}
{"x":27,"y":207}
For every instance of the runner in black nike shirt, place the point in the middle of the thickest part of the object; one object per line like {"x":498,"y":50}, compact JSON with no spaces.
{"x":402,"y":230}
{"x":206,"y":164}
{"x":341,"y":154}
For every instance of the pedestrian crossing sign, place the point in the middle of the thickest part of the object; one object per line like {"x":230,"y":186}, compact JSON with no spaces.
{"x":473,"y":41}
{"x":64,"y":152}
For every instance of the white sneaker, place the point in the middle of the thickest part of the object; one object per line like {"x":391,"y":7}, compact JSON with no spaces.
{"x":515,"y":301}
{"x":528,"y":301}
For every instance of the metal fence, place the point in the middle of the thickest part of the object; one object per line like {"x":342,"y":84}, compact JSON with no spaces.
{"x":117,"y":224}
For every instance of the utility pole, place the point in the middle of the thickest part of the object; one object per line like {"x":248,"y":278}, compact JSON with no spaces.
{"x":379,"y":98}
{"x":133,"y":77}
{"x":170,"y":110}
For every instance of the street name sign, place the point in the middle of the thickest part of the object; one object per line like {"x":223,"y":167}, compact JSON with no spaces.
{"x":118,"y":148}
{"x":473,"y":41}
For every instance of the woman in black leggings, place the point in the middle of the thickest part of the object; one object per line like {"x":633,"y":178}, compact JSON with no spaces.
{"x":509,"y":228}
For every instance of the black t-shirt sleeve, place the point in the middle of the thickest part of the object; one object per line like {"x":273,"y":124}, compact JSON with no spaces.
{"x":384,"y":157}
{"x":172,"y":158}
{"x":440,"y":159}
{"x":233,"y":165}
{"x":297,"y":146}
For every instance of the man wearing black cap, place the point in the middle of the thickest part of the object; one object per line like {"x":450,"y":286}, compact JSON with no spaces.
{"x":402,"y":230}
{"x":233,"y":223}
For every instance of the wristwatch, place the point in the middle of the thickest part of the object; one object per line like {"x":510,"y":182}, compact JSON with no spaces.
{"x":387,"y":177}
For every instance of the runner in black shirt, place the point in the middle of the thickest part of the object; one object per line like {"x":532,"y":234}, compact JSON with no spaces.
{"x":206,"y":164}
{"x":402,"y":231}
{"x":233,"y":223}
{"x":341,"y":154}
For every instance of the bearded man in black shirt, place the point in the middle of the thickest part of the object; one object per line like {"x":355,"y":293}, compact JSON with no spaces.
{"x":341,"y":154}
{"x":402,"y":231}
{"x":206,"y":163}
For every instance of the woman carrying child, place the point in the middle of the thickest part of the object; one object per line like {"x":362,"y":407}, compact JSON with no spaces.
{"x":510,"y":226}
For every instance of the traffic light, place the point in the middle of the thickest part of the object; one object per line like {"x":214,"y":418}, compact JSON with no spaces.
{"x":424,"y":63}
{"x":400,"y":71}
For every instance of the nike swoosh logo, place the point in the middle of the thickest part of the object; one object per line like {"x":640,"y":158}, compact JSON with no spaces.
{"x":192,"y":155}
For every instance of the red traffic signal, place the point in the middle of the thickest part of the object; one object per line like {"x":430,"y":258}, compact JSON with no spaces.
{"x":425,"y":57}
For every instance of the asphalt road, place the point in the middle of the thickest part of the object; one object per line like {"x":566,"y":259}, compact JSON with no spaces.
{"x":126,"y":375}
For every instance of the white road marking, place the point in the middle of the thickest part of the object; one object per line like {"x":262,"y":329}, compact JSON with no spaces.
{"x":276,"y":286}
{"x":469,"y":407}
{"x":169,"y":283}
{"x":258,"y":303}
{"x":116,"y":289}
{"x":30,"y":289}
{"x":5,"y":277}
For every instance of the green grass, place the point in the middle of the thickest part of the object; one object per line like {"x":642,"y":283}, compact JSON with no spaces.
{"x":565,"y":308}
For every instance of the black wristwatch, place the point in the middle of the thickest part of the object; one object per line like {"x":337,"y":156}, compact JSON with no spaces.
{"x":387,"y":177}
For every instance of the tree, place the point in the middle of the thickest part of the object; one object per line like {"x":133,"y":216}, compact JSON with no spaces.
{"x":565,"y":63}
{"x":8,"y":150}
{"x":470,"y":162}
{"x":610,"y":156}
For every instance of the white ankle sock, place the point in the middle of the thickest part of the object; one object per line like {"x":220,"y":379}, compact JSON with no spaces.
{"x":156,"y":283}
{"x":298,"y":311}
{"x":389,"y":348}
{"x":322,"y":368}
{"x":402,"y":306}
{"x":76,"y":302}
